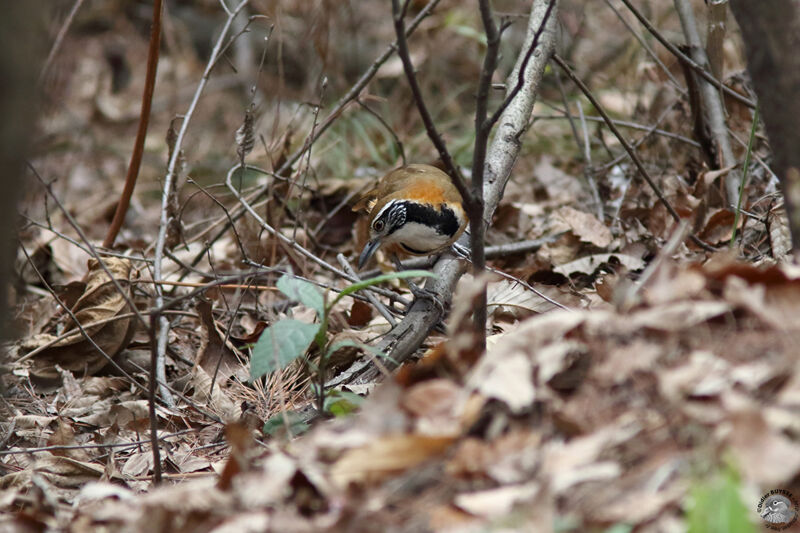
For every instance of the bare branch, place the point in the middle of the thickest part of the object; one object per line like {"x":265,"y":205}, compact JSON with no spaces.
{"x":59,"y":38}
{"x":712,"y":102}
{"x":686,"y":59}
{"x":158,"y":348}
{"x":141,"y":132}
{"x":335,"y":113}
{"x":501,"y":155}
{"x":628,"y":148}
{"x":427,"y":120}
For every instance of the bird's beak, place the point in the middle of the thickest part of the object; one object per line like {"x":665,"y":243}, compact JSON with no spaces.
{"x":367,"y":252}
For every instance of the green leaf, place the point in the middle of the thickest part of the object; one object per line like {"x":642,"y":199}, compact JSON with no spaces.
{"x":278,"y":422}
{"x":302,"y":291}
{"x":716,"y":505}
{"x":279,"y":345}
{"x":341,"y":403}
{"x":380,"y":279}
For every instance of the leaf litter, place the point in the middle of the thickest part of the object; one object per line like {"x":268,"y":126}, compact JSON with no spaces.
{"x":602,"y":415}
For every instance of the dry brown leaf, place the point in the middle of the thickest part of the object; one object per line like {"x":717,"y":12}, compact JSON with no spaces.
{"x":583,"y":225}
{"x":678,"y":316}
{"x":188,"y":460}
{"x":560,"y":187}
{"x":511,"y":458}
{"x":719,"y":227}
{"x":437,"y":405}
{"x":510,"y":298}
{"x":705,"y":375}
{"x":100,"y":301}
{"x":562,"y":365}
{"x":578,"y":461}
{"x":506,"y":376}
{"x":780,"y":239}
{"x":138,"y":464}
{"x":386,"y":456}
{"x":766,"y":456}
{"x":215,"y":356}
{"x":496,"y":502}
{"x":777,"y":304}
{"x":589,"y":263}
{"x":216,"y":399}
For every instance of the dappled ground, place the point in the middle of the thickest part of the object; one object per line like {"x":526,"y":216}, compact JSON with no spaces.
{"x":655,"y":389}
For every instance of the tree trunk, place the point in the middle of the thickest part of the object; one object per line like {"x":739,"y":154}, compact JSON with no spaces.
{"x":771,"y":33}
{"x":21,"y":47}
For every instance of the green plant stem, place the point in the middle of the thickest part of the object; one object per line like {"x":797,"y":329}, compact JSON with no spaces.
{"x":746,"y":165}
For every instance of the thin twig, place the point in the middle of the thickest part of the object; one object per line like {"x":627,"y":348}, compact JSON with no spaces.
{"x":123,"y":445}
{"x":629,"y":294}
{"x":628,"y":148}
{"x":158,"y":348}
{"x":474,"y":207}
{"x":87,"y":243}
{"x":422,"y":108}
{"x":335,"y":113}
{"x":686,"y":59}
{"x":464,"y":253}
{"x":404,"y":339}
{"x":651,"y":130}
{"x":71,"y":332}
{"x":371,"y":297}
{"x":141,"y":132}
{"x":713,"y":106}
{"x":386,"y":125}
{"x":59,"y":39}
{"x":492,"y":252}
{"x":646,"y":47}
{"x":585,"y":146}
{"x":292,"y":244}
{"x":521,"y":74}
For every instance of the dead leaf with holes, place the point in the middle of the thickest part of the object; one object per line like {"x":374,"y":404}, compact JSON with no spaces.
{"x":95,"y":311}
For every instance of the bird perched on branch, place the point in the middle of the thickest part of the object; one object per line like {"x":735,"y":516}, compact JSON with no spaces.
{"x":413,"y":210}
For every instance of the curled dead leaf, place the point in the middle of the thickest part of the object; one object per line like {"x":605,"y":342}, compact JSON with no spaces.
{"x":95,"y":311}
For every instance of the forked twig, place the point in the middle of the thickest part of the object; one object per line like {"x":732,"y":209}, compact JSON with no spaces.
{"x":157,"y":323}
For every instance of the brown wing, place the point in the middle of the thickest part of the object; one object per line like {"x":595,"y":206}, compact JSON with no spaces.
{"x":366,"y":202}
{"x":394,"y":182}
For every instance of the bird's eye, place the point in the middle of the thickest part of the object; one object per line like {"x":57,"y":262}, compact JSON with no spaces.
{"x":378,"y":225}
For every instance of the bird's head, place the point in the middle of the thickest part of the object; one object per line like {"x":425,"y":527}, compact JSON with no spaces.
{"x":415,"y":208}
{"x":387,"y":219}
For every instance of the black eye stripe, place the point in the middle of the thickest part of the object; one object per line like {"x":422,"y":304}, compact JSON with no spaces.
{"x":394,"y":217}
{"x":443,"y":219}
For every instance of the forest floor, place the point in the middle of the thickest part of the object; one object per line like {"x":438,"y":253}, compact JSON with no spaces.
{"x":655,"y":388}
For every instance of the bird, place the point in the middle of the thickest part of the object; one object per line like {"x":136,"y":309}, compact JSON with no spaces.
{"x":778,"y":510}
{"x":415,"y":210}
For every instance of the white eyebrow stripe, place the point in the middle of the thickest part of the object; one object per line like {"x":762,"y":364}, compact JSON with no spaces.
{"x":384,"y":208}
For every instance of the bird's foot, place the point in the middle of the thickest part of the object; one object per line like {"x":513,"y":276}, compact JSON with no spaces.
{"x":422,"y":293}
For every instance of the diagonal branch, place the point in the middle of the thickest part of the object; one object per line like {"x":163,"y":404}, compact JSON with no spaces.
{"x":501,"y":155}
{"x":686,"y":59}
{"x":159,"y":342}
{"x":335,"y":113}
{"x":141,"y":132}
{"x":628,"y":148}
{"x":427,"y":120}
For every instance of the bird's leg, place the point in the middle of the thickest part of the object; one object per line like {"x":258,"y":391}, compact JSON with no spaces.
{"x":416,"y":290}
